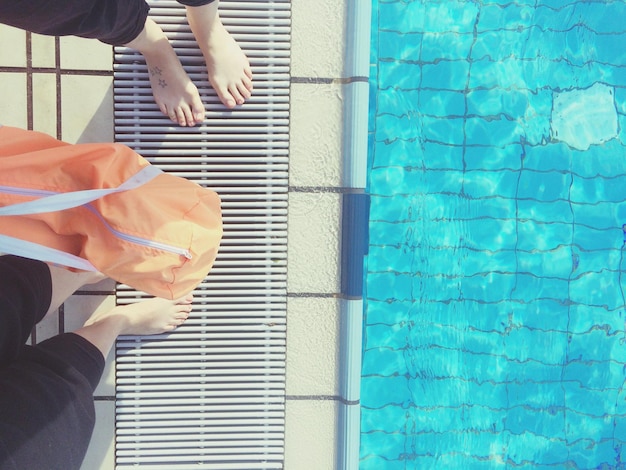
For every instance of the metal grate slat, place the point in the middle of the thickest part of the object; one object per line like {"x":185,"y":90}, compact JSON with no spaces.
{"x":211,"y":395}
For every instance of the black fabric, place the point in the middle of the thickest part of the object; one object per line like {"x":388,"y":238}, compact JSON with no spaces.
{"x":25,"y":292}
{"x":113,"y":22}
{"x":195,"y":3}
{"x":47,"y":412}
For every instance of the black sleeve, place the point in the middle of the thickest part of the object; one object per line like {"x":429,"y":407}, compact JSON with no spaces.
{"x":114,"y":22}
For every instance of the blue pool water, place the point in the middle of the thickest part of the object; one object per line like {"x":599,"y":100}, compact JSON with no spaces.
{"x":494,"y":325}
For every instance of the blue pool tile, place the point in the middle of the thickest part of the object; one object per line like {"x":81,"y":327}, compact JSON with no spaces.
{"x":528,"y":286}
{"x":547,"y":314}
{"x":442,"y":131}
{"x":513,"y":16}
{"x":396,"y":152}
{"x":454,"y":16}
{"x":621,"y":120}
{"x":411,"y":128}
{"x":497,"y":131}
{"x":442,"y":103}
{"x":488,"y":184}
{"x":603,"y":379}
{"x":593,"y":238}
{"x":598,"y":189}
{"x":441,"y":156}
{"x":619,"y":426}
{"x":549,"y":216}
{"x":383,"y":390}
{"x":485,"y":157}
{"x":389,"y":42}
{"x":583,"y":318}
{"x":547,"y":186}
{"x":604,"y":51}
{"x":489,"y":207}
{"x":605,"y":160}
{"x":586,"y":408}
{"x":537,"y":421}
{"x":493,"y":102}
{"x":445,"y":45}
{"x":533,"y":235}
{"x":595,"y":17}
{"x":600,"y":215}
{"x":394,"y":102}
{"x":495,"y":45}
{"x":555,"y":6}
{"x":381,"y":311}
{"x":401,"y":17}
{"x":390,"y":257}
{"x":555,"y":156}
{"x":376,"y":462}
{"x":620,"y":97}
{"x":445,"y":75}
{"x":398,"y":74}
{"x":556,"y":263}
{"x":487,"y":234}
{"x":615,"y":76}
{"x":523,"y":448}
{"x":506,"y":73}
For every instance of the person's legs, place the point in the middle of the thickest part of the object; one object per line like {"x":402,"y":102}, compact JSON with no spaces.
{"x":111,"y":21}
{"x":227,"y":65}
{"x":116,"y":22}
{"x":29,"y":290}
{"x":25,"y":293}
{"x":66,"y":282}
{"x":126,"y":22}
{"x":173,"y":91}
{"x":143,"y":318}
{"x":46,"y":395}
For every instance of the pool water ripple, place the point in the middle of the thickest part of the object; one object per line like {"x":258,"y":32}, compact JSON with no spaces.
{"x":495,"y":309}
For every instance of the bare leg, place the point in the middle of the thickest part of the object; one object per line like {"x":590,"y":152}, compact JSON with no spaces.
{"x":174,"y":93}
{"x":66,"y":282}
{"x":228,"y":67}
{"x":144,"y":318}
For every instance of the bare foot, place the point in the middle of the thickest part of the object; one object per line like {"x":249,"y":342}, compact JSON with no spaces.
{"x":148,"y":317}
{"x":228,"y":67}
{"x":173,"y":90}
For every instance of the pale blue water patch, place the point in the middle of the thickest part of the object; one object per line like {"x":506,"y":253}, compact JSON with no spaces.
{"x":494,"y":333}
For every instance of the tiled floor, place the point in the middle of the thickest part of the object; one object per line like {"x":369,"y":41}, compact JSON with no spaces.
{"x":63,"y":86}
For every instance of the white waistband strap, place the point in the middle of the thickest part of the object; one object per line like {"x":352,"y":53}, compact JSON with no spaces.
{"x":62,"y":201}
{"x":27,"y":249}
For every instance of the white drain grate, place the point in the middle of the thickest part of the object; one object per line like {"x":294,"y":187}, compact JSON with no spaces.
{"x":211,"y":395}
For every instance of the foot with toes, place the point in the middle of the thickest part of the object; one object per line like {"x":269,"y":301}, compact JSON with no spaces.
{"x":148,"y":317}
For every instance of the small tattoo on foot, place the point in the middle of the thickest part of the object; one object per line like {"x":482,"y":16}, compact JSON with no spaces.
{"x":162,"y":83}
{"x":155,"y":71}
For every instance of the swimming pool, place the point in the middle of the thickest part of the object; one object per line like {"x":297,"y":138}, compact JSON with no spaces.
{"x":494,"y":321}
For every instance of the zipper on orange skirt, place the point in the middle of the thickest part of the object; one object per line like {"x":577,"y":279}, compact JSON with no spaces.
{"x":123,"y":236}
